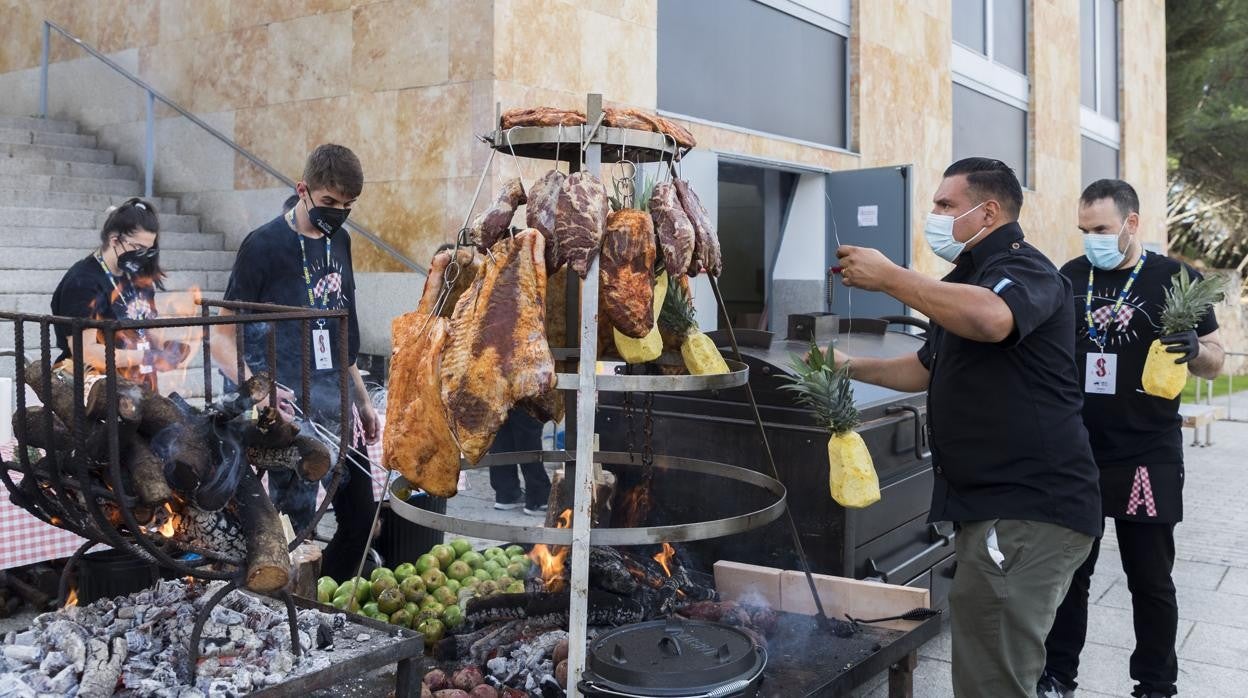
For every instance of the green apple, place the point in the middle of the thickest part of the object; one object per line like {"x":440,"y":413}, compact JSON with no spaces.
{"x":413,"y":588}
{"x":461,"y":546}
{"x":494,"y":552}
{"x":445,"y":596}
{"x":382,"y":584}
{"x":515,"y":588}
{"x":458,"y":570}
{"x":483,"y":575}
{"x":474,"y":559}
{"x":433,"y":630}
{"x":426,"y":562}
{"x":369,"y":608}
{"x":411,"y":608}
{"x":453,"y":617}
{"x":433,"y":579}
{"x":455,"y":585}
{"x":489,"y":588}
{"x":404,"y":571}
{"x":470,"y":582}
{"x":345,"y":589}
{"x":363,"y":589}
{"x":424,"y":615}
{"x":514,"y":550}
{"x":380,"y":572}
{"x":516,"y":570}
{"x":401,"y":618}
{"x":445,"y":555}
{"x":381,"y":617}
{"x":494,"y":567}
{"x":433,"y":606}
{"x":390,"y":601}
{"x":325,"y":588}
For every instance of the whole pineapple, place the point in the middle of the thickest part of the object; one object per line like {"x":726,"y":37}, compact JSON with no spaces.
{"x":1187,"y":301}
{"x":701,"y":356}
{"x":820,"y":385}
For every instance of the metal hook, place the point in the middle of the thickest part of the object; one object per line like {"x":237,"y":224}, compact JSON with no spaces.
{"x":520,"y":169}
{"x":558,"y":142}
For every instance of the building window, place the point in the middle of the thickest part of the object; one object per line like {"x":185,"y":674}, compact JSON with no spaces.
{"x":1099,"y":87}
{"x":991,"y":90}
{"x":778,"y":67}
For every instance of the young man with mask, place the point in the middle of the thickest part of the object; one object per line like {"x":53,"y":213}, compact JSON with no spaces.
{"x":1119,"y":291}
{"x":303,"y":258}
{"x":1011,"y":463}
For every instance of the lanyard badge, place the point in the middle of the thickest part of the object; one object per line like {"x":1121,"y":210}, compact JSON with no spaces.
{"x":132,"y":301}
{"x":321,"y":353}
{"x":1093,"y":334}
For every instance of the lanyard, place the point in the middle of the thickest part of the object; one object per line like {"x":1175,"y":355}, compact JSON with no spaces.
{"x":307,"y":273}
{"x":1122,"y":297}
{"x":134,"y":295}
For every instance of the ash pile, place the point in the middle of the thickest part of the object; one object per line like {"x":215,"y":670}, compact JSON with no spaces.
{"x":136,"y":645}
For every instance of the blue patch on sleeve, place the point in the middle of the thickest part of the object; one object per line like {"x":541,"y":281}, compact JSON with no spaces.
{"x":1001,"y":285}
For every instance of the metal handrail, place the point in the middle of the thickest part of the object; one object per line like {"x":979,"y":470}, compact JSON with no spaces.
{"x":153,"y":96}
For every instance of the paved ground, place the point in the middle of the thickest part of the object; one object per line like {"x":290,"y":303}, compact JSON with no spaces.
{"x":1211,"y":573}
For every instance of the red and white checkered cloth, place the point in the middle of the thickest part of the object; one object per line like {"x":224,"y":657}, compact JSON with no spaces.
{"x":1142,"y":493}
{"x":24,"y":539}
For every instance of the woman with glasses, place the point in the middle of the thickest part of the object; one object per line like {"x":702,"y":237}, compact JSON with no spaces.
{"x":118,"y":281}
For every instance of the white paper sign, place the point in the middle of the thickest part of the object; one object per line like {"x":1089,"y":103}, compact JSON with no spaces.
{"x":868,"y":216}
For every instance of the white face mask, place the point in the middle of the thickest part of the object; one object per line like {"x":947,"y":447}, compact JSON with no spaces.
{"x":939,"y":233}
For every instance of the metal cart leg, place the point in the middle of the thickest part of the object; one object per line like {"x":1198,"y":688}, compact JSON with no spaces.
{"x":901,"y":677}
{"x":406,"y":680}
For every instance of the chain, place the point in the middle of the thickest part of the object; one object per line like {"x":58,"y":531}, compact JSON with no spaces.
{"x":630,"y":429}
{"x":647,"y":445}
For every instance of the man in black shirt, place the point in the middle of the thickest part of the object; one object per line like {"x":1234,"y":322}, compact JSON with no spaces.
{"x":1010,"y":455}
{"x":303,"y":258}
{"x":1135,"y":437}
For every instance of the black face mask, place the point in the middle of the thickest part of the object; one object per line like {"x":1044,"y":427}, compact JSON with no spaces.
{"x":137,"y":262}
{"x":328,"y":220}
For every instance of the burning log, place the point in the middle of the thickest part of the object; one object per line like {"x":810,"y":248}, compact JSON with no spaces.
{"x":269,"y":430}
{"x":36,"y":435}
{"x":268,"y":560}
{"x":147,"y":471}
{"x":561,"y":498}
{"x":306,"y":456}
{"x":60,"y":398}
{"x":129,"y":401}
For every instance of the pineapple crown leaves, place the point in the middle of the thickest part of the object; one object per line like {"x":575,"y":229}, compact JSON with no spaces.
{"x":1187,"y":301}
{"x":825,"y":388}
{"x":640,"y":198}
{"x":677,"y":314}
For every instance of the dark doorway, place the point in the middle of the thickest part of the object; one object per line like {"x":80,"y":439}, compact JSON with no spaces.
{"x":753,"y":204}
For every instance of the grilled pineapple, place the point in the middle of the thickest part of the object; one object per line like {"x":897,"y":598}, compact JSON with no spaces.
{"x":1187,"y":301}
{"x":648,"y":348}
{"x":826,"y":389}
{"x":701,"y":356}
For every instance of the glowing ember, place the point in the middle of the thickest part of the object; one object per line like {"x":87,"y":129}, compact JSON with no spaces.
{"x":636,"y":504}
{"x":551,"y":560}
{"x":664,"y":557}
{"x":73,"y":598}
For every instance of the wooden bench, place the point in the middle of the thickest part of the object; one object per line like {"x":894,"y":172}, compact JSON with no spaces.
{"x":1197,"y":415}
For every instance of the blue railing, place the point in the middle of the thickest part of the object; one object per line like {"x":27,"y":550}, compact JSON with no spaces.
{"x":149,"y":143}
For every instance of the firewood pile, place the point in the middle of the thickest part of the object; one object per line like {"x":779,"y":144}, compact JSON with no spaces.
{"x":136,"y":645}
{"x":186,"y":473}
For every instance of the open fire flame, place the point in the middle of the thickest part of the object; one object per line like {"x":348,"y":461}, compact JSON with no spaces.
{"x":72,"y":600}
{"x":664,"y":558}
{"x":551,"y":560}
{"x":636,"y":504}
{"x":168,"y":304}
{"x":169,"y":527}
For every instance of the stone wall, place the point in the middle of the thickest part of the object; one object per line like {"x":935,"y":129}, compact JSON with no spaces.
{"x":408,"y":83}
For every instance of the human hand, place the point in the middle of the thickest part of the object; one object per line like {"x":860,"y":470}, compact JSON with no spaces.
{"x":1185,"y":343}
{"x":371,"y":422}
{"x":285,"y":403}
{"x":864,"y":267}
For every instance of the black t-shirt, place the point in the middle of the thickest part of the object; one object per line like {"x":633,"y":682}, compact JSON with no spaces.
{"x":1128,"y":428}
{"x":87,"y":291}
{"x":1006,"y":435}
{"x":270,"y":269}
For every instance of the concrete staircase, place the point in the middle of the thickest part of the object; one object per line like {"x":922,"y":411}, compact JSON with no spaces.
{"x":55,"y":184}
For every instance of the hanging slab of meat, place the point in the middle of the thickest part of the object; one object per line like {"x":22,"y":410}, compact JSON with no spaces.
{"x":627,"y":117}
{"x":582,"y":216}
{"x":493,"y":223}
{"x":627,"y":272}
{"x":418,"y":441}
{"x":460,"y":281}
{"x":541,"y":116}
{"x":676,"y":236}
{"x":706,"y":243}
{"x":497,"y":355}
{"x":542,"y":212}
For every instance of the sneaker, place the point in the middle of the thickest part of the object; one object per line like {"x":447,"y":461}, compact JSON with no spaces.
{"x":535,"y":510}
{"x":1050,"y":687}
{"x":512,"y":505}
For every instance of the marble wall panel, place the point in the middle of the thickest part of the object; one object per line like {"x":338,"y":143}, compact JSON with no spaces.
{"x":402,"y":43}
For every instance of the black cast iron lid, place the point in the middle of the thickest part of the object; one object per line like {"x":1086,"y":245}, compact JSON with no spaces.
{"x":674,"y":656}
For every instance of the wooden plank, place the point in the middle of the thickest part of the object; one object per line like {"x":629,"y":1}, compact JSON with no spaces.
{"x":753,"y":584}
{"x":1200,"y":415}
{"x":860,"y":599}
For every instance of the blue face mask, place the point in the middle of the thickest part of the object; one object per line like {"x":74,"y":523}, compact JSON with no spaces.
{"x":1102,"y":249}
{"x":939,"y":234}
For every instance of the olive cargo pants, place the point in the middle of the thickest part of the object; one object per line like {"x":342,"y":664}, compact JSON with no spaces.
{"x":1010,"y":579}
